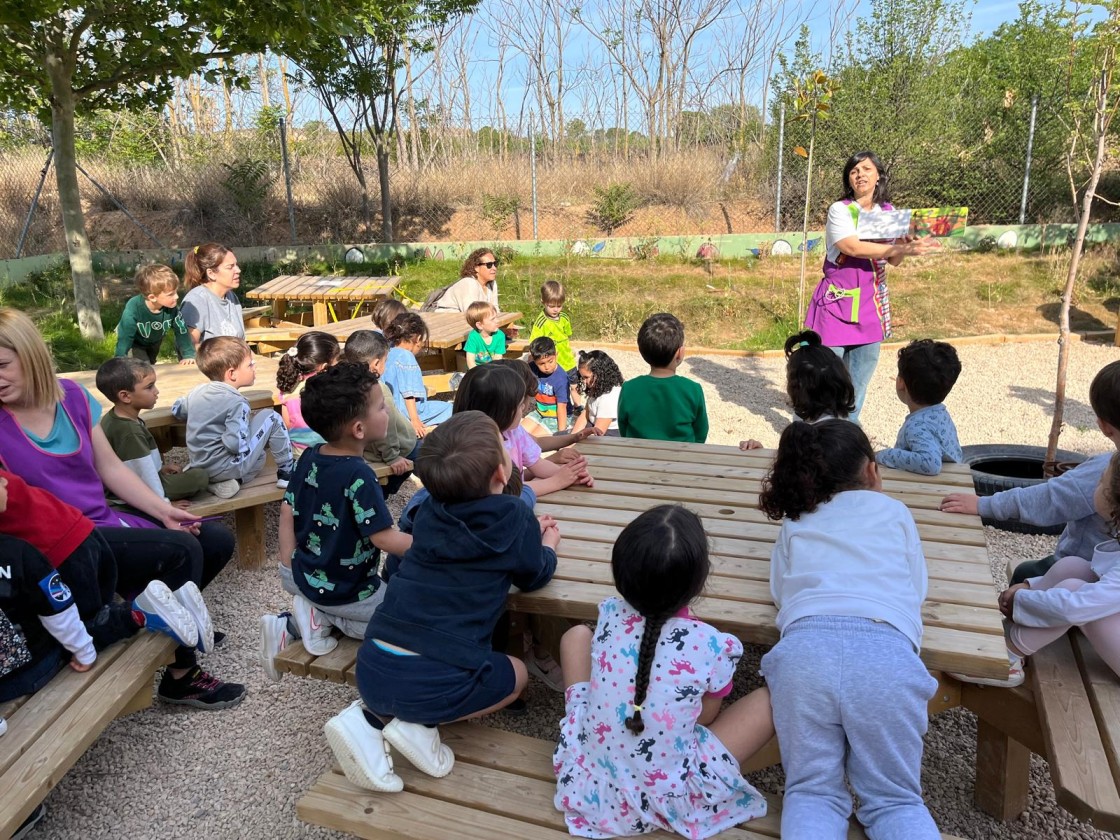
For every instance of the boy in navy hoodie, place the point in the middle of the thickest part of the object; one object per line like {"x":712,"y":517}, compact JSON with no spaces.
{"x":427,"y":658}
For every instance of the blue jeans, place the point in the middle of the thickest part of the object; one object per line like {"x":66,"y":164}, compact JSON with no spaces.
{"x":849,"y":697}
{"x":861,"y":361}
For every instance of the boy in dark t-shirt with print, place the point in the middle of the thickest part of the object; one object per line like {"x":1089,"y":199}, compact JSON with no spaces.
{"x":553,"y":387}
{"x":333,"y":521}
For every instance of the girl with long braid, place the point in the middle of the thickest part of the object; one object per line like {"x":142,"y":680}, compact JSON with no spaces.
{"x":643,"y":744}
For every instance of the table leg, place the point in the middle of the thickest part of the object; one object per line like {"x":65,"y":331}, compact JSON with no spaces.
{"x":249,"y":527}
{"x":320,"y":316}
{"x":450,"y":363}
{"x":1002,"y":773}
{"x":279,"y":307}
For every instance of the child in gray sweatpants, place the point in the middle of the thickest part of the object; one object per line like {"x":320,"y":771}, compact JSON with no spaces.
{"x":223,"y":436}
{"x":847,"y":687}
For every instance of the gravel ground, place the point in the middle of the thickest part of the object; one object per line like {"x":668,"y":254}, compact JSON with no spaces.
{"x":238,"y":773}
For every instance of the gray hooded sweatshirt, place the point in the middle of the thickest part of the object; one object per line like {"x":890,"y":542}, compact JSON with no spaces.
{"x":217,"y":419}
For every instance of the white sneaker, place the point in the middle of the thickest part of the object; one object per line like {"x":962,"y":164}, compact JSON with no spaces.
{"x":314,"y":627}
{"x":164,"y":614}
{"x":191,"y":599}
{"x":225,"y":489}
{"x":3,"y":726}
{"x":274,"y":638}
{"x":361,"y":751}
{"x":1015,"y":674}
{"x":421,"y":746}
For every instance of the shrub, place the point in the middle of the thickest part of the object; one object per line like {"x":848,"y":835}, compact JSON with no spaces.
{"x":614,"y":206}
{"x":497,"y":210}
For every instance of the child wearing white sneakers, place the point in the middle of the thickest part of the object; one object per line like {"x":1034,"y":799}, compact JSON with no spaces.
{"x":428,"y":657}
{"x":333,"y":520}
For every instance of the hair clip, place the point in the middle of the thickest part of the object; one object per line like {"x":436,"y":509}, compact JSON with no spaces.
{"x":196,"y":249}
{"x":291,"y":351}
{"x":636,"y":707}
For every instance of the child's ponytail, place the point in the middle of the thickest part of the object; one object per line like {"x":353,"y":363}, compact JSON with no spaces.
{"x":406,"y":327}
{"x":813,"y":464}
{"x":817,"y":382}
{"x":660,"y":563}
{"x":313,"y":350}
{"x":648,"y":647}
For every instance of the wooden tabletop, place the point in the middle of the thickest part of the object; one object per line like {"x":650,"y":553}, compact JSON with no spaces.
{"x":310,"y":287}
{"x":963,"y":629}
{"x":174,"y":381}
{"x":446,"y":330}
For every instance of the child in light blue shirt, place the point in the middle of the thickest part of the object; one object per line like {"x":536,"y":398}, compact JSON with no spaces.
{"x":927,"y":371}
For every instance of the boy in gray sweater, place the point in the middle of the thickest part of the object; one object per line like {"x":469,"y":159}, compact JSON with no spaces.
{"x":1066,"y":498}
{"x":222,"y":436}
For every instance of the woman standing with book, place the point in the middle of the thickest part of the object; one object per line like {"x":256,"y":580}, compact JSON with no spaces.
{"x":850,"y":307}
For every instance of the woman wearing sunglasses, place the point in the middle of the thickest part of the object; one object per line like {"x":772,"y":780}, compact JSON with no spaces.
{"x":478,"y":280}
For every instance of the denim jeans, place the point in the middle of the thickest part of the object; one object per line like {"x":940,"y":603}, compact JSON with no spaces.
{"x":861,"y":361}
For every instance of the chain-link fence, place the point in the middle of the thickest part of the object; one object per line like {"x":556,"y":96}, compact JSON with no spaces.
{"x":487,"y":184}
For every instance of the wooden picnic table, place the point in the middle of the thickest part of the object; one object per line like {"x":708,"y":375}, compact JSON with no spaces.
{"x":447,"y":333}
{"x":963,"y":629}
{"x":174,"y":381}
{"x":323,"y":292}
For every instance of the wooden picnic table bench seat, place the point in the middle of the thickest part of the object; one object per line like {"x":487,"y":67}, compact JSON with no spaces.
{"x":50,"y":730}
{"x":501,"y":788}
{"x":1078,"y":699}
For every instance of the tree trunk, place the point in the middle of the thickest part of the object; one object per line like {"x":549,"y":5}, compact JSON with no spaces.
{"x":805,"y":223}
{"x":386,"y":198}
{"x":1100,"y":129}
{"x":262,"y":71}
{"x":60,"y":69}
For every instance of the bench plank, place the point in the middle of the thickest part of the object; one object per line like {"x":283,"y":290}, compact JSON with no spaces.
{"x":1079,"y":764}
{"x":502,"y":786}
{"x":81,"y":706}
{"x":1103,"y":689}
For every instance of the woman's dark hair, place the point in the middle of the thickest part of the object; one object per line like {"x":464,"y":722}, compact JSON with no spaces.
{"x":201,"y":259}
{"x":605,"y":373}
{"x":882,"y":193}
{"x":660,"y":563}
{"x":385,"y":310}
{"x":365,"y":346}
{"x":815,"y":461}
{"x":495,"y":390}
{"x":313,"y":350}
{"x":472,"y":261}
{"x":816,"y":380}
{"x":405,"y":328}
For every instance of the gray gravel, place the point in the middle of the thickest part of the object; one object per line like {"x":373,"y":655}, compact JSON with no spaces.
{"x":172,"y":773}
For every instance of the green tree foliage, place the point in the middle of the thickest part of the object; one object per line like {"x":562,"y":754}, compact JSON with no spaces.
{"x":359,"y":74}
{"x":60,"y":61}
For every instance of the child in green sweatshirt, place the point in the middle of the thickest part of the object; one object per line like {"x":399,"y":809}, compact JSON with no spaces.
{"x":151,"y":315}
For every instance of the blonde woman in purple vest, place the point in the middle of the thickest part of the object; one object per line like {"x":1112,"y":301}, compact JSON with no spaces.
{"x":850,"y":307}
{"x":50,"y":437}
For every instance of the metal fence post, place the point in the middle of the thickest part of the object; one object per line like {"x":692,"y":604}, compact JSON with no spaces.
{"x":34,"y":203}
{"x":533,"y":173}
{"x":1027,"y":170}
{"x":283,"y":123}
{"x":781,"y":144}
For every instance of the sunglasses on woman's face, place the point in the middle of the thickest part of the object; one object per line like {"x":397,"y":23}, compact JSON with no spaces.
{"x":490,"y":264}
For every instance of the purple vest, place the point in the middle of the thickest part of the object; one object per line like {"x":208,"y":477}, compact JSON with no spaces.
{"x":72,"y":477}
{"x":844,"y":308}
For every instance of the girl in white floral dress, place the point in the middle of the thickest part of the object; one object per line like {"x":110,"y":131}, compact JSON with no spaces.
{"x":643,"y":744}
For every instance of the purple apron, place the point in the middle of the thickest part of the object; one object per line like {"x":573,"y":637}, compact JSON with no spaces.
{"x":850,"y":305}
{"x":71,"y":477}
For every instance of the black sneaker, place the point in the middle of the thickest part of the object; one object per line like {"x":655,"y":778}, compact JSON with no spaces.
{"x":282,"y":478}
{"x":199,"y":689}
{"x":29,"y":823}
{"x":517,"y":708}
{"x":219,"y":639}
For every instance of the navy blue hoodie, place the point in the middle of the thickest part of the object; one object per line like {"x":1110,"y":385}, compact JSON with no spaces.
{"x":451,"y":587}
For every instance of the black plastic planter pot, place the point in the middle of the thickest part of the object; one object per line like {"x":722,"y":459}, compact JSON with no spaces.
{"x":998,"y":467}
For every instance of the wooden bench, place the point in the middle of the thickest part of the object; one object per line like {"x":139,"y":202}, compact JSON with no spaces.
{"x":502,"y":786}
{"x":1068,"y":713}
{"x":50,"y":730}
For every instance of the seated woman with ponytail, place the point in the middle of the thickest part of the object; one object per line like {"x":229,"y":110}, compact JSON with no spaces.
{"x":210,"y":306}
{"x":644,"y":745}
